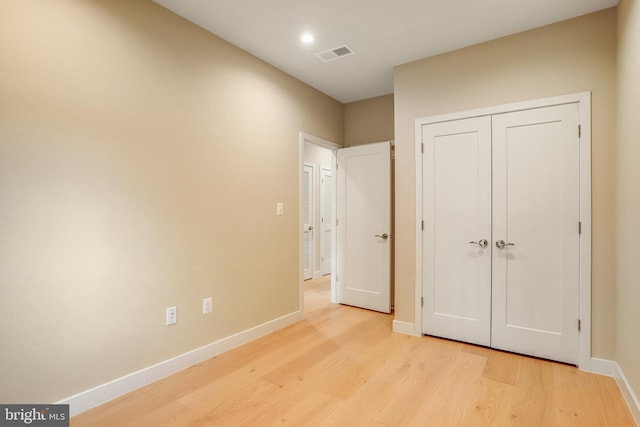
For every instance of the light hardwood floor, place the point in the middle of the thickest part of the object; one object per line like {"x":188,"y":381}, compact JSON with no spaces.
{"x":343,"y":366}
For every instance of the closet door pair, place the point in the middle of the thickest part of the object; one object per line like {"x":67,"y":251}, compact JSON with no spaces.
{"x":501,"y":237}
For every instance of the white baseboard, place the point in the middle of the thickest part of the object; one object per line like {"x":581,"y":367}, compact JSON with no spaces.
{"x":105,"y":392}
{"x":628,"y":393}
{"x":601,"y":367}
{"x":403,"y":327}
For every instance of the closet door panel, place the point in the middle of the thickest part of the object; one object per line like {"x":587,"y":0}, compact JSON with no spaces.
{"x":457,"y":214}
{"x":536,"y":214}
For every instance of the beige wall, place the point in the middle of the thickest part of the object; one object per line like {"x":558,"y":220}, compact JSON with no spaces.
{"x":369,"y":120}
{"x":568,"y":57}
{"x":628,"y":192}
{"x":141,"y":159}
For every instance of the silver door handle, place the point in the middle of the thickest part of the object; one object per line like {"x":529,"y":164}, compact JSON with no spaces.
{"x":500,"y":244}
{"x":483,"y":243}
{"x":383,"y":236}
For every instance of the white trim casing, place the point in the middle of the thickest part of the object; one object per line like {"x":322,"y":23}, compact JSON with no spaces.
{"x":417,"y":320}
{"x":305,"y":137}
{"x":583,"y":100}
{"x":584,"y":110}
{"x":108,"y":391}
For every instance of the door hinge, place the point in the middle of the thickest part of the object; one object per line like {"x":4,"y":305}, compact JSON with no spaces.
{"x":422,"y":225}
{"x":579,"y":325}
{"x":421,"y":301}
{"x":336,"y":222}
{"x":579,"y":131}
{"x":580,"y":227}
{"x":422,"y":147}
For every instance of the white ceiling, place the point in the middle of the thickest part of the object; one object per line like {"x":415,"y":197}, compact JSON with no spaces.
{"x":383,"y":33}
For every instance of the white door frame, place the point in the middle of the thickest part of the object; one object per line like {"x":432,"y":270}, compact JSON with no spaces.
{"x":304,"y":137}
{"x":583,"y":100}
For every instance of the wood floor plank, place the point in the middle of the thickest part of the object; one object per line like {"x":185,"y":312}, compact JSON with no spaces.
{"x":307,"y":383}
{"x":490,"y":404}
{"x":385,"y":384}
{"x":344,"y":366}
{"x":303,"y":394}
{"x":346,"y":383}
{"x":453,"y":394}
{"x":437,"y":357}
{"x":501,"y":366}
{"x":296,"y":368}
{"x":616,"y":411}
{"x":575,"y":406}
{"x":534,"y":401}
{"x":312,"y":411}
{"x":231,"y":409}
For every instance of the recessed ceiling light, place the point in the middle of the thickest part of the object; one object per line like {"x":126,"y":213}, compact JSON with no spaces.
{"x":307,"y":38}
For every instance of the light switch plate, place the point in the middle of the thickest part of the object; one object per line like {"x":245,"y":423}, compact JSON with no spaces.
{"x":172,"y":315}
{"x":207,"y":305}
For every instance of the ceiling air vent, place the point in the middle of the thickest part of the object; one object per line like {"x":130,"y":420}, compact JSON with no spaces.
{"x":335,"y":53}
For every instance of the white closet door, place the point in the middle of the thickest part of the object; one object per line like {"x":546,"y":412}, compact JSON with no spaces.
{"x":457,"y":230}
{"x":536,"y":214}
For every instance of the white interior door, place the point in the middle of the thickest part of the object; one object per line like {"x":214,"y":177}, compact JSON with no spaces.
{"x":536,"y":210}
{"x":364,"y":226}
{"x":307,"y":220}
{"x":514,"y":180}
{"x":457,"y":230}
{"x":327,"y":208}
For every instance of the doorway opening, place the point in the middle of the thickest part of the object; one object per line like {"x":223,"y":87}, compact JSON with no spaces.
{"x":317,"y":211}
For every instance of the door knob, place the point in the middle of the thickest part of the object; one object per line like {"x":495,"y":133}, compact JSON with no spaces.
{"x":383,"y":236}
{"x":311,"y":228}
{"x":483,"y":243}
{"x":500,"y":244}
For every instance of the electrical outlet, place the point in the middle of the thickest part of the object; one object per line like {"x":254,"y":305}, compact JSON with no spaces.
{"x":172,"y":315}
{"x":207,"y":305}
{"x":279,"y":208}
